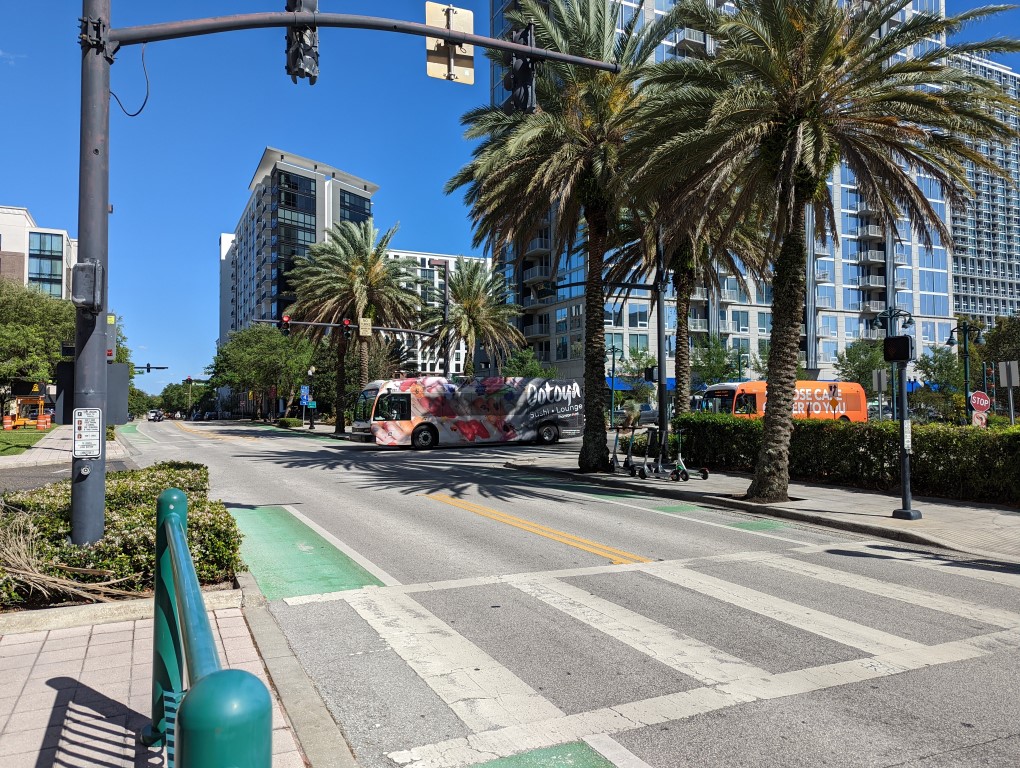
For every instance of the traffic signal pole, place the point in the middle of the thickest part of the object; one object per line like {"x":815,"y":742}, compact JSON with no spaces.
{"x":88,"y":475}
{"x":99,"y":42}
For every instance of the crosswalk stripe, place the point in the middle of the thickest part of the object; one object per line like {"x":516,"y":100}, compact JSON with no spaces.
{"x":921,"y":598}
{"x":481,"y":692}
{"x":692,"y":657}
{"x":484,"y":747}
{"x":1005,"y":575}
{"x":822,"y":624}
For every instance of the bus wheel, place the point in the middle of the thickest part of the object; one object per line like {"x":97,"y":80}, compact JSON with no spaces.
{"x":547,"y":433}
{"x":423,"y":438}
{"x":844,"y":418}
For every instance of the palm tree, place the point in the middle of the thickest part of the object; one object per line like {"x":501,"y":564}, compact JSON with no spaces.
{"x":565,"y":156}
{"x":479,"y":314}
{"x":796,"y":87}
{"x":349,"y":276}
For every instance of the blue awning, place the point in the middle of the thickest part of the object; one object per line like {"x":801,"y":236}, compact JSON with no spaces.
{"x":617,"y":384}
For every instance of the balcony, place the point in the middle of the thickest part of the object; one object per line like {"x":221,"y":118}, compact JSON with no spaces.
{"x":874,"y":334}
{"x":540,"y":301}
{"x":866,"y":208}
{"x":825,"y":302}
{"x":538,"y":244}
{"x":536,"y":329}
{"x":872,"y":231}
{"x":697,"y":324}
{"x":826,"y":333}
{"x":823,"y":277}
{"x":727,"y":327}
{"x":871,"y":257}
{"x":699,"y":294}
{"x":541,"y":272}
{"x":728,"y":297}
{"x":871,"y":282}
{"x":901,"y":259}
{"x":872,"y":306}
{"x":901,"y":284}
{"x":803,"y":330}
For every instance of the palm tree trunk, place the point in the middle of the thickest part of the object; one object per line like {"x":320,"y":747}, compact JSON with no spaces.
{"x":683,"y":287}
{"x":594,"y":456}
{"x":341,"y":386}
{"x":771,"y":480}
{"x":362,"y":361}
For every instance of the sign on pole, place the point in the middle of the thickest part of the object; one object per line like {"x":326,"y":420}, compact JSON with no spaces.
{"x":979,"y":401}
{"x":311,"y":403}
{"x":1009,"y":374}
{"x":305,"y":390}
{"x":365,"y":326}
{"x":444,"y":60}
{"x":304,"y":400}
{"x":88,"y":432}
{"x":979,"y":419}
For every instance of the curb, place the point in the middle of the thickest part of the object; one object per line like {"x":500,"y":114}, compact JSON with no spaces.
{"x":767,"y":510}
{"x":320,"y":738}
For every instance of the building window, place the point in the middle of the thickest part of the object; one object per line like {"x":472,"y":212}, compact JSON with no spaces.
{"x":613,"y":315}
{"x":637,"y":315}
{"x":46,"y":262}
{"x":638,"y":343}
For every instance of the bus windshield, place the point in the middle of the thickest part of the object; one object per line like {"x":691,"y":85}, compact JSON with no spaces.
{"x":718,"y":401}
{"x":363,"y":408}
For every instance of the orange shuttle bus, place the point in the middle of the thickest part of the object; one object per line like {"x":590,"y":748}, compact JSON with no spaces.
{"x":825,"y":400}
{"x":429,"y":411}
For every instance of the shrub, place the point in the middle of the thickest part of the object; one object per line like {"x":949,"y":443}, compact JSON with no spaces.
{"x":949,"y":461}
{"x":288,"y":422}
{"x":127,"y":550}
{"x":110,"y":433}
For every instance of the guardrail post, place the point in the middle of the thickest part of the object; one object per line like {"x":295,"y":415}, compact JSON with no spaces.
{"x":225,"y":720}
{"x":167,"y":660}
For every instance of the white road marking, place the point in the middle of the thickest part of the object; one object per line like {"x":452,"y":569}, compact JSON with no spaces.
{"x":481,"y":692}
{"x":482,"y":747}
{"x":614,"y":751}
{"x":822,"y":624}
{"x":360,"y":559}
{"x":1008,"y":576}
{"x":936,"y":602}
{"x":681,"y":652}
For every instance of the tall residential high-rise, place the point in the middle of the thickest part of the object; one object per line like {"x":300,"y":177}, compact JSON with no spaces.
{"x":41,"y":257}
{"x":986,"y":231}
{"x":849,"y":281}
{"x":294,"y":201}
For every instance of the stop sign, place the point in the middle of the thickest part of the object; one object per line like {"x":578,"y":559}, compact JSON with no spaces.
{"x":979,"y":401}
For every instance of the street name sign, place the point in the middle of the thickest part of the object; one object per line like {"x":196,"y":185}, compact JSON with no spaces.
{"x":979,"y":401}
{"x":88,"y":433}
{"x":311,"y":403}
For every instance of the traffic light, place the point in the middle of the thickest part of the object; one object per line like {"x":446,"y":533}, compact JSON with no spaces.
{"x":303,"y":44}
{"x":148,"y":368}
{"x":652,"y":373}
{"x":285,"y":325}
{"x":188,"y":379}
{"x":348,"y":331}
{"x":519,"y":78}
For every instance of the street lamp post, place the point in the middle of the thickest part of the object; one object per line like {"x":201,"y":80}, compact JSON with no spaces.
{"x":311,"y":392}
{"x":613,"y":350}
{"x":966,"y":331}
{"x":445,"y":265}
{"x":888,"y":318}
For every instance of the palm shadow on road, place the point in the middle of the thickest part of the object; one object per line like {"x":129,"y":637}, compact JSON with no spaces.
{"x":458,"y":472}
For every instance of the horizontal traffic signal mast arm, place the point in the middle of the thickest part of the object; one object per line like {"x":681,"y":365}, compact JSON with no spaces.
{"x":342,"y":325}
{"x":173,"y":30}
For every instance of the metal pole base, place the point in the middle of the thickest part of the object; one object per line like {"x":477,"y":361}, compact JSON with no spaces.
{"x":907,"y":514}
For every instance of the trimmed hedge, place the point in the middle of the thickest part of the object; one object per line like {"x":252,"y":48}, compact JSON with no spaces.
{"x":948,"y":461}
{"x":128,"y":549}
{"x":288,"y":422}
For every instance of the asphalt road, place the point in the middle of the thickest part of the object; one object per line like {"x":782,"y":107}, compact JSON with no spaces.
{"x":23,"y":478}
{"x":453,"y":612}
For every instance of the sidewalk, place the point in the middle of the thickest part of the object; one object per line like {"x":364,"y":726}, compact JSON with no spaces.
{"x":988,"y":531}
{"x":55,"y":448}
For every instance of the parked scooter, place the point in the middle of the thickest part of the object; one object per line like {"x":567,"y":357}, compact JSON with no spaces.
{"x":643,"y":471}
{"x":680,"y":471}
{"x":628,"y":462}
{"x":614,"y":462}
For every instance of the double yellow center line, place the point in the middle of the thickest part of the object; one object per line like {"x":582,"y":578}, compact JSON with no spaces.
{"x":615,"y":556}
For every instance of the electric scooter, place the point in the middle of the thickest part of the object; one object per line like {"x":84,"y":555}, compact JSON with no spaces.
{"x":680,"y":471}
{"x":614,"y":462}
{"x":628,"y":462}
{"x":643,"y":471}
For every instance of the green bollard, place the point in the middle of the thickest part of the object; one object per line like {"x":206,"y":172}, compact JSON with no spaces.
{"x":225,"y":719}
{"x":166,"y":639}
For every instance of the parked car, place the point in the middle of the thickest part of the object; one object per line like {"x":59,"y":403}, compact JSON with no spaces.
{"x":647,"y":414}
{"x":155,"y":416}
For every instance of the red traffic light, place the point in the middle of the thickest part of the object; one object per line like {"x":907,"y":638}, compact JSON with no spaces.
{"x":347,"y":321}
{"x":286,"y":318}
{"x":189,"y":378}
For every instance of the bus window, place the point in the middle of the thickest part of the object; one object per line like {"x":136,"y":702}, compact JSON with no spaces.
{"x":719,"y":401}
{"x":393,"y":407}
{"x":363,"y":408}
{"x":747,"y":403}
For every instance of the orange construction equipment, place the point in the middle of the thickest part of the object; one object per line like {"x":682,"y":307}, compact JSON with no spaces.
{"x":8,"y":421}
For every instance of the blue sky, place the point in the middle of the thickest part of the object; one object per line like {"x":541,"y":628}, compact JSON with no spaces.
{"x":179,"y":172}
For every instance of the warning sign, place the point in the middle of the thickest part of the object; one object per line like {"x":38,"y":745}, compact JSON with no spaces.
{"x":88,"y":433}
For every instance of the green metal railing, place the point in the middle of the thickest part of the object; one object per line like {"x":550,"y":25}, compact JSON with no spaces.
{"x":223,"y":717}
